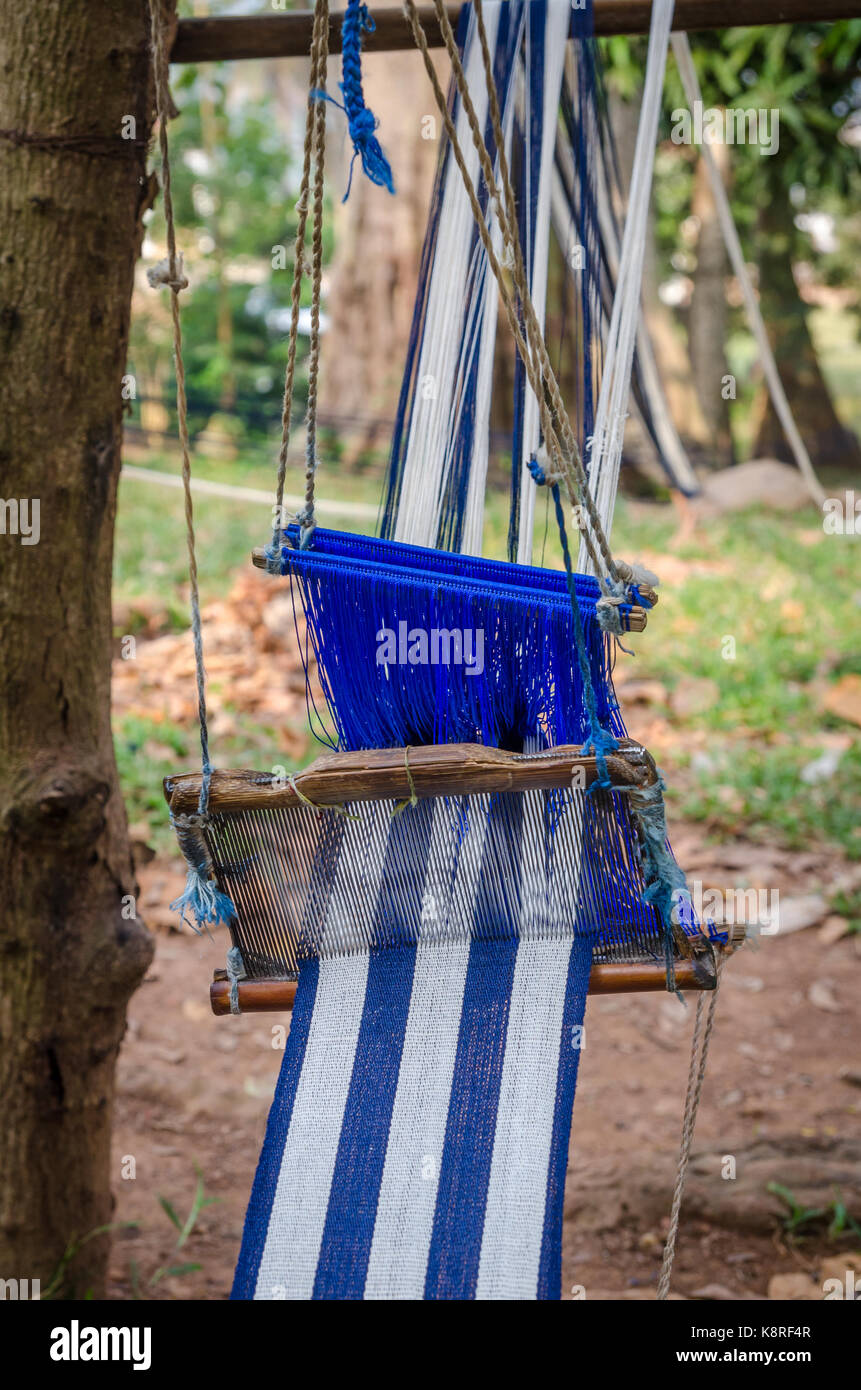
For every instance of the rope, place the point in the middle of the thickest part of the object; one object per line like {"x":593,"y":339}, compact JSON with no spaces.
{"x":235,"y":972}
{"x":696,"y":1076}
{"x":412,"y":799}
{"x":317,"y":806}
{"x":319,"y":54}
{"x":307,"y":519}
{"x":687,"y":72}
{"x":169,"y":272}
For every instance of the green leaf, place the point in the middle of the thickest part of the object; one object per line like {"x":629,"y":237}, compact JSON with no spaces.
{"x":170,"y":1212}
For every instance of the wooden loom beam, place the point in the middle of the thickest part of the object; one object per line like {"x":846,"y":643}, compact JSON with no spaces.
{"x":289,"y":35}
{"x":638,"y":977}
{"x":448,"y":769}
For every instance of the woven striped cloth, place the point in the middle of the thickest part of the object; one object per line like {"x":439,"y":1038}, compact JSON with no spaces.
{"x":418,"y":1141}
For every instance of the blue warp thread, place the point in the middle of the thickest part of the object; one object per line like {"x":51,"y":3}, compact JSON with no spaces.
{"x":361,"y":122}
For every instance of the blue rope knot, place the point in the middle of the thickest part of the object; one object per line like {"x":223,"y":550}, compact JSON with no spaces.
{"x":361,"y":122}
{"x":601,"y":742}
{"x":540,"y":470}
{"x":537,"y":472}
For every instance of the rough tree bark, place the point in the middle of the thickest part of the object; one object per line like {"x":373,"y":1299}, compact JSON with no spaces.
{"x":72,"y":192}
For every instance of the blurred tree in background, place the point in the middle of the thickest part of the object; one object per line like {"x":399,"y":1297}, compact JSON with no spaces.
{"x":798,"y":211}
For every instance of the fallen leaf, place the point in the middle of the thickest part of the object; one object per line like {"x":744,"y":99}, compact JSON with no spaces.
{"x":843,"y":698}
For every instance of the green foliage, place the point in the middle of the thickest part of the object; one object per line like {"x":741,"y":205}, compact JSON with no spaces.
{"x":801,"y":1222}
{"x":810,"y":74}
{"x":56,"y":1286}
{"x":184,"y":1228}
{"x":234,"y":188}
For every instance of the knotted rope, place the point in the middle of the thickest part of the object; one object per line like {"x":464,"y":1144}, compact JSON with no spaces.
{"x":361,"y":122}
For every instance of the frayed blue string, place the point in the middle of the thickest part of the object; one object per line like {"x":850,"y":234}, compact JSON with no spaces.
{"x":536,"y":471}
{"x":361,"y":122}
{"x":666,"y":886}
{"x":202,"y":898}
{"x":205,"y":902}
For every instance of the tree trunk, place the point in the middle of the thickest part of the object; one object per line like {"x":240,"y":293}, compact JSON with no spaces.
{"x":828,"y":441}
{"x":72,"y":192}
{"x":707,"y":321}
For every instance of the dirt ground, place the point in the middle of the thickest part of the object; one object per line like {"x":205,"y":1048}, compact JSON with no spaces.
{"x":782,"y":1098}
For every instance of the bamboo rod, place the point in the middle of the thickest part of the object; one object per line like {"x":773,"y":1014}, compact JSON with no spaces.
{"x":276,"y":996}
{"x":289,"y":35}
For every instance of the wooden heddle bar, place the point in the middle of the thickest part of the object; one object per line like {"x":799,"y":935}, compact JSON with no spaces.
{"x":217,"y":39}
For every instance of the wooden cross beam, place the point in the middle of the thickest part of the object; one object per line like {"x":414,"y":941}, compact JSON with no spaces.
{"x":289,"y":35}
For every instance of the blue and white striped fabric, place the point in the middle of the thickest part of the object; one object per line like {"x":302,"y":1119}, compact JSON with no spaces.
{"x":417,"y":1144}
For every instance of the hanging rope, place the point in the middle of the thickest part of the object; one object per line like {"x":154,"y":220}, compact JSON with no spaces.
{"x":170,"y":272}
{"x":201,"y":898}
{"x":315,"y":121}
{"x":696,"y":1076}
{"x":307,"y":518}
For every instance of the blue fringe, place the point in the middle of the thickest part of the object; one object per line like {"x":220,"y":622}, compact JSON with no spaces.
{"x":204,"y":901}
{"x":531,"y":684}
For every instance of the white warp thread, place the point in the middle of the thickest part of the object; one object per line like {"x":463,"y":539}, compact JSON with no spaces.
{"x":605,"y":456}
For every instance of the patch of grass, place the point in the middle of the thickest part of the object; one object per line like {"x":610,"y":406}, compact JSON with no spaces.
{"x":800,"y":1222}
